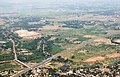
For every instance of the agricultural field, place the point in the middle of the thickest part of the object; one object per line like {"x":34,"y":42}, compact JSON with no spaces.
{"x":68,"y":39}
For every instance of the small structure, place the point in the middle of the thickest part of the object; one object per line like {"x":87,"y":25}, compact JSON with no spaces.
{"x":117,"y":27}
{"x":64,"y":67}
{"x":4,"y":74}
{"x":73,"y":40}
{"x":52,"y":39}
{"x":25,"y":52}
{"x":90,"y":36}
{"x":70,"y":72}
{"x":116,"y":41}
{"x":2,"y":43}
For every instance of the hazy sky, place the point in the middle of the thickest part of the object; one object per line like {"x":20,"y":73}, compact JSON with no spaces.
{"x":31,"y":1}
{"x":49,"y":1}
{"x":7,"y":5}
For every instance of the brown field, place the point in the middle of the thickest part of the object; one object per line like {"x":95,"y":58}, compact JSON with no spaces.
{"x":85,"y":17}
{"x":102,"y":41}
{"x":94,"y":59}
{"x":31,"y":64}
{"x":2,"y":22}
{"x":52,"y":27}
{"x":112,"y":32}
{"x":114,"y":55}
{"x":25,"y":34}
{"x":53,"y":65}
{"x":105,"y":69}
{"x":117,"y":20}
{"x":90,"y":36}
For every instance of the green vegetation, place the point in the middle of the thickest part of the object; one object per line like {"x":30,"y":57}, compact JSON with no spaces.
{"x":9,"y":45}
{"x":78,"y":33}
{"x":10,"y":65}
{"x":101,"y":47}
{"x":55,"y":49}
{"x":0,"y":50}
{"x":29,"y":45}
{"x":4,"y":57}
{"x":36,"y":57}
{"x":74,"y":24}
{"x":83,"y":56}
{"x":38,"y":54}
{"x":91,"y":50}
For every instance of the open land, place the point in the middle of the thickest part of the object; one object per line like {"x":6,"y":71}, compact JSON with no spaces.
{"x":61,"y":43}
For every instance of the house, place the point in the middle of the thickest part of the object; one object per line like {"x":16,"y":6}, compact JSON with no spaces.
{"x":70,"y":72}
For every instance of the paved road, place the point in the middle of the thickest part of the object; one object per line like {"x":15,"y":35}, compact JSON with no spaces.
{"x":28,"y":69}
{"x":54,"y":56}
{"x":14,"y":50}
{"x":15,"y":54}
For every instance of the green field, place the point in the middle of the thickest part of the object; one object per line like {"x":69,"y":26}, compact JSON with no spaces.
{"x":90,"y":51}
{"x":9,"y":66}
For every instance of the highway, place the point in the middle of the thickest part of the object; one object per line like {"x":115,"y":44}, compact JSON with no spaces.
{"x":28,"y":69}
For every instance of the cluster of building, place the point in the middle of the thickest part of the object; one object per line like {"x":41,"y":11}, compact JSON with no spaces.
{"x":93,"y":70}
{"x":7,"y":73}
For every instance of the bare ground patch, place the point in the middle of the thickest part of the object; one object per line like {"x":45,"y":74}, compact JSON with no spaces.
{"x":94,"y":59}
{"x":113,"y":55}
{"x":27,"y":34}
{"x":90,"y":36}
{"x":31,"y":64}
{"x":102,"y":41}
{"x":52,"y":27}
